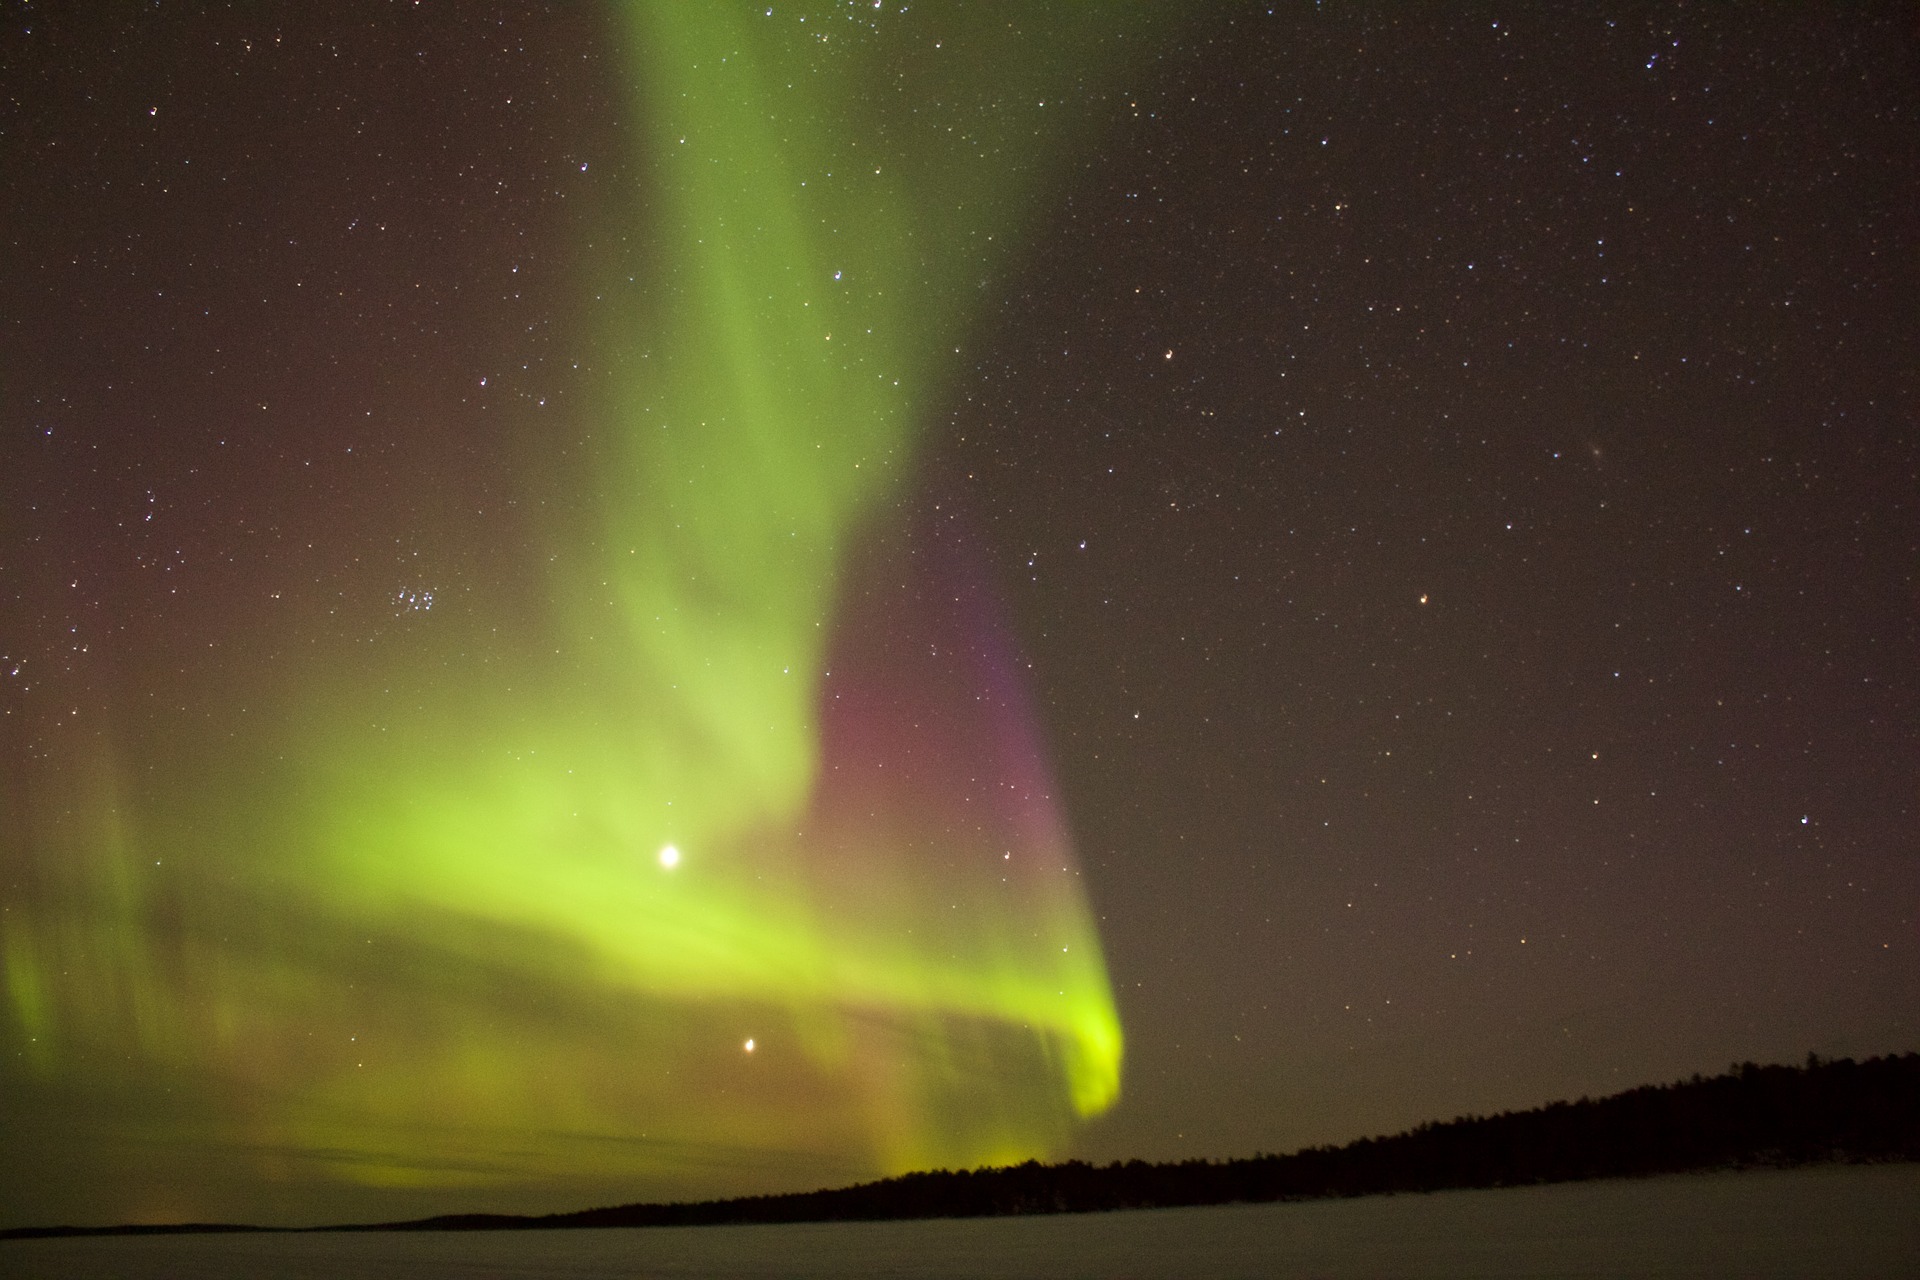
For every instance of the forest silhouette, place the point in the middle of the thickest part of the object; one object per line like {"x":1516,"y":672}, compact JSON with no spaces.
{"x":1831,"y":1111}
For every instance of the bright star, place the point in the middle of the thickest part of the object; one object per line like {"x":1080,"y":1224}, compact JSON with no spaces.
{"x":669,"y":857}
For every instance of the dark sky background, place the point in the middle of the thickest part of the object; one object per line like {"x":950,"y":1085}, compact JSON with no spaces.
{"x":1489,"y":674}
{"x":1454,"y":474}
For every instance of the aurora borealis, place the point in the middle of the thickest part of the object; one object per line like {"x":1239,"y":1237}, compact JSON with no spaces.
{"x":743,"y":851}
{"x":1094,"y":581}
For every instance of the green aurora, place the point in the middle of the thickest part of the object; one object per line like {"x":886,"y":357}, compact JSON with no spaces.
{"x":682,"y":903}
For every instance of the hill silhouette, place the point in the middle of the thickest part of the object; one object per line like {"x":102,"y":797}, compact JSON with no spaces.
{"x":1753,"y":1116}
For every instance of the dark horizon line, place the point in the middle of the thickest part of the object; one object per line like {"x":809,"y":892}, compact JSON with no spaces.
{"x":1824,"y":1112}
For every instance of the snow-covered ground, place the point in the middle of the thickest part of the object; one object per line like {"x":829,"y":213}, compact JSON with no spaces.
{"x":1847,"y":1221}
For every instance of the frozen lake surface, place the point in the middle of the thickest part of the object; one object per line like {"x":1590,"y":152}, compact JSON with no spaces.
{"x":1843,"y":1221}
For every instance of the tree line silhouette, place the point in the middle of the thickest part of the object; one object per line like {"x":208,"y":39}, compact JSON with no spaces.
{"x":1826,"y":1111}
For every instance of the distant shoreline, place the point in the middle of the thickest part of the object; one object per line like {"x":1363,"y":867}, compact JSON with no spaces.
{"x":1826,"y":1112}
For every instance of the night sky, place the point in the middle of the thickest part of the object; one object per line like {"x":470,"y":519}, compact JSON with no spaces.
{"x":1269,"y":575}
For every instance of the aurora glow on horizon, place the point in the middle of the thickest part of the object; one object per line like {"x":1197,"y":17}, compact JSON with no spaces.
{"x":500,"y":907}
